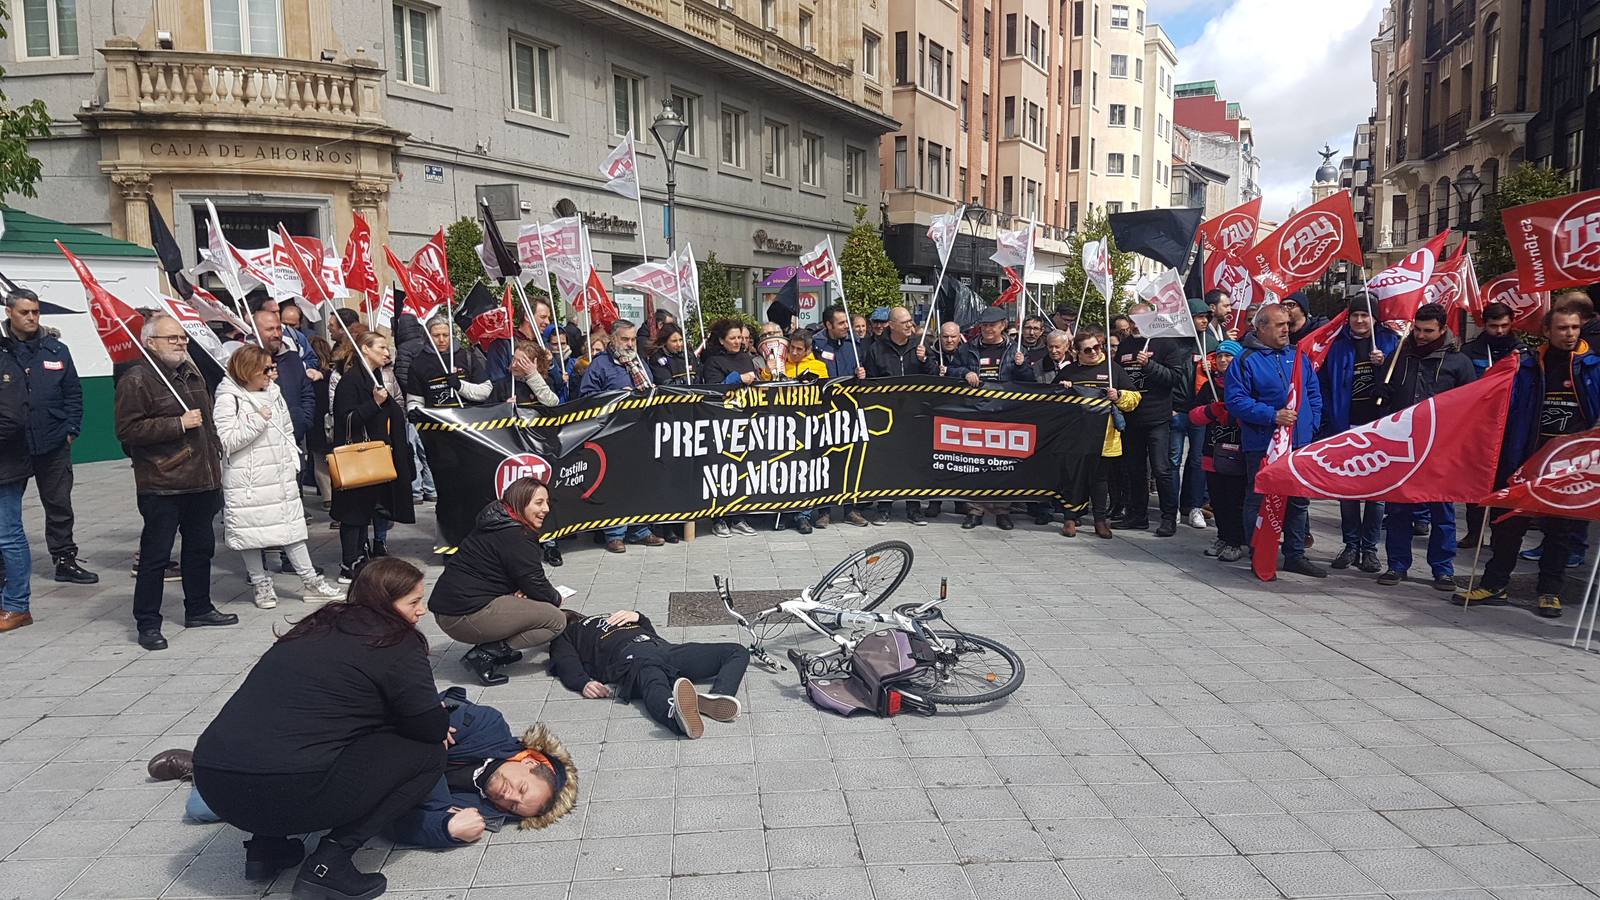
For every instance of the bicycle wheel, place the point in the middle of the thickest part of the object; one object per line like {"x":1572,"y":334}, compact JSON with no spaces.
{"x":866,"y":577}
{"x":974,"y":669}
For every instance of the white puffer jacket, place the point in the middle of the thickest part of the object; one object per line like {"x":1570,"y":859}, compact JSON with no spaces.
{"x":260,"y":469}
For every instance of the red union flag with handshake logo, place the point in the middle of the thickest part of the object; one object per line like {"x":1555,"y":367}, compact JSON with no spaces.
{"x":1556,"y":243}
{"x":1399,"y":288}
{"x":1442,"y":450}
{"x":1305,"y":246}
{"x":1527,"y":307}
{"x":1562,"y":479}
{"x":1233,"y":231}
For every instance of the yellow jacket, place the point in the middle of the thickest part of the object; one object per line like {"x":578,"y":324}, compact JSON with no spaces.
{"x":1126,"y":401}
{"x":817,"y":367}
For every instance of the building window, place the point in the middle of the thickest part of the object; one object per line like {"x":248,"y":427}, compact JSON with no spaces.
{"x":1008,"y":120}
{"x":1091,"y":154}
{"x":51,"y":27}
{"x":769,"y":15}
{"x":983,"y":189}
{"x":1138,"y":70}
{"x":1139,"y":20}
{"x":1011,"y":34}
{"x":775,"y":149}
{"x":1119,"y":115}
{"x":688,"y":107}
{"x":962,"y":192}
{"x":1119,"y":65}
{"x":627,"y":93}
{"x":966,"y":100}
{"x":250,"y":27}
{"x":1008,"y":201}
{"x":1036,"y":123}
{"x":1077,"y":18}
{"x":532,"y":78}
{"x":936,"y":174}
{"x":869,"y":54}
{"x":986,"y":115}
{"x":1161,"y":126}
{"x":936,"y":70}
{"x":1073,"y":160}
{"x":732,"y":137}
{"x":805,"y":30}
{"x":1115,"y":164}
{"x":413,"y":45}
{"x":966,"y":21}
{"x":1072,"y":215}
{"x":811,"y":159}
{"x":901,"y":76}
{"x":1094,"y":88}
{"x":902,"y":174}
{"x":1077,"y":87}
{"x":988,"y":32}
{"x":1138,"y":118}
{"x":855,"y":167}
{"x":1135,"y":170}
{"x":1036,"y":43}
{"x":1113,"y":208}
{"x":1030,"y":198}
{"x":1119,"y":15}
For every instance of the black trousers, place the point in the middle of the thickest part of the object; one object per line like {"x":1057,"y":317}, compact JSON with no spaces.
{"x":1227,"y":506}
{"x":1148,"y":451}
{"x":1506,"y":540}
{"x":884,"y":506}
{"x":53,"y":473}
{"x":656,"y":666}
{"x":167,"y":516}
{"x":377,"y":779}
{"x":1099,"y":488}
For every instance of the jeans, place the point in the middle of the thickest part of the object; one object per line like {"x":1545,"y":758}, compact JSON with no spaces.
{"x":1506,"y":539}
{"x":166,"y":517}
{"x":1359,"y":521}
{"x":658,"y":665}
{"x":1147,"y":451}
{"x":423,"y":481}
{"x":299,"y":557}
{"x":1227,"y":506}
{"x":18,"y":589}
{"x":1397,"y":537}
{"x":1296,"y":514}
{"x":1188,"y":476}
{"x":53,"y":473}
{"x":628,"y":533}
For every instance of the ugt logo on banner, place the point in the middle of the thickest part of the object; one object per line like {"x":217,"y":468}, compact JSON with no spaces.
{"x":523,"y":465}
{"x":1369,"y":459}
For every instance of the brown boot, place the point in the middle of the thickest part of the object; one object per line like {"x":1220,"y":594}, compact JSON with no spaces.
{"x":1070,"y":529}
{"x":1102,"y":529}
{"x":172,"y":765}
{"x":616,"y":547}
{"x":11,"y":621}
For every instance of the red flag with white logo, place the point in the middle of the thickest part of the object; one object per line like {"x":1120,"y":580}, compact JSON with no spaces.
{"x":1442,"y":450}
{"x":602,"y":312}
{"x":1556,"y":243}
{"x":1013,"y":289}
{"x":312,"y":287}
{"x":1527,"y":307}
{"x":194,"y":324}
{"x":1233,"y":231}
{"x":359,"y":275}
{"x":1454,"y":286}
{"x":1224,"y":271}
{"x":492,"y":325}
{"x":1268,"y":533}
{"x":1562,"y":479}
{"x":1305,"y":245}
{"x":426,"y":279}
{"x":1316,"y":345}
{"x":621,"y":169}
{"x":115,"y":321}
{"x":1399,"y":289}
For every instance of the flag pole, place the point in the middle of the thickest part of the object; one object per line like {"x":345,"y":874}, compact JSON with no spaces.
{"x":1588,"y":590}
{"x":928,"y":322}
{"x":544,"y":265}
{"x":588,"y":304}
{"x":1082,"y":300}
{"x":1472,"y":576}
{"x":356,"y":349}
{"x":838,"y":278}
{"x":527,"y":310}
{"x":677,"y":281}
{"x":638,"y":196}
{"x":163,"y":376}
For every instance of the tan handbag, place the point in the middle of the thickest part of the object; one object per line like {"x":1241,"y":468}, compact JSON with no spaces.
{"x":361,"y":465}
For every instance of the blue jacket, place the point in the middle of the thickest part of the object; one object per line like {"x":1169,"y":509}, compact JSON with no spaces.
{"x":838,"y":355}
{"x":55,"y":396}
{"x":1527,"y":403}
{"x":1338,"y":375}
{"x":298,"y":391}
{"x":1258,"y":386}
{"x":604,"y":374}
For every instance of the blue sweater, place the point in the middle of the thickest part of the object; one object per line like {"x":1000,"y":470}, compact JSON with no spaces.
{"x":1258,"y":386}
{"x":1338,"y":375}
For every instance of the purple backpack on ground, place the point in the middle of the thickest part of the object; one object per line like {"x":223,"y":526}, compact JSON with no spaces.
{"x":882,"y":665}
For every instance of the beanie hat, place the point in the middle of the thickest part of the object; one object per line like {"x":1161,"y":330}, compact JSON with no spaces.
{"x":1198,"y":307}
{"x":1232,"y":348}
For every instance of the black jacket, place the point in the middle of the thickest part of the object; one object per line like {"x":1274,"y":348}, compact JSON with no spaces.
{"x":668,"y":368}
{"x":297,"y":389}
{"x":1156,"y":381}
{"x":357,"y":419}
{"x":1484,"y":350}
{"x":410,"y":340}
{"x":590,"y":650}
{"x":16,"y":463}
{"x":500,"y":557}
{"x":886,"y":359}
{"x":55,"y":395}
{"x":1418,"y":377}
{"x":997,"y":362}
{"x":719,"y":364}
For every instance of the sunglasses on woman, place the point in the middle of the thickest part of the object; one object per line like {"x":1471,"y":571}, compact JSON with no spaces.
{"x":270,"y":370}
{"x":1093,"y":349}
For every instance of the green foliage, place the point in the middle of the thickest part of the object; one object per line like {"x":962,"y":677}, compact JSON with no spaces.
{"x":870,"y":278}
{"x":19,"y":171}
{"x":460,"y":249}
{"x":716,"y":300}
{"x":1070,"y":289}
{"x":1524,"y":184}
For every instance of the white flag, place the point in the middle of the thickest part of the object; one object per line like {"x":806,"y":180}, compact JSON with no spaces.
{"x":621,"y":169}
{"x":563,"y":254}
{"x":193,"y":324}
{"x":1097,"y":266}
{"x":943,"y":232}
{"x":223,"y":259}
{"x":491,"y":266}
{"x":657,"y":278}
{"x":688,"y":283}
{"x":1014,"y":249}
{"x":1171,"y":317}
{"x":821,"y":265}
{"x":386,"y":309}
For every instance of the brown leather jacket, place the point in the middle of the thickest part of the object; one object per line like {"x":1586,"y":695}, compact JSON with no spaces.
{"x":166,"y":458}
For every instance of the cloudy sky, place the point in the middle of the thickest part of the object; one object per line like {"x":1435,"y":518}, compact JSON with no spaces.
{"x":1302,"y":71}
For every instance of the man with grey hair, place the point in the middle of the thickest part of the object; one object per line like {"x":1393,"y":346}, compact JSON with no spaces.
{"x":619,"y":368}
{"x":163,"y":418}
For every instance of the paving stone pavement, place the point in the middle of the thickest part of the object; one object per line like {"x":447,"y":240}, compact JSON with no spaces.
{"x":1184,"y":731}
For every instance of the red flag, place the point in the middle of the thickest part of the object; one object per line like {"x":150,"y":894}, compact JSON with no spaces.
{"x":1224,"y":271}
{"x":311,"y":286}
{"x":1233,"y":231}
{"x":1269,"y":520}
{"x":1305,"y":245}
{"x":114,"y":320}
{"x":1562,"y":479}
{"x":492,"y":325}
{"x":1442,"y":450}
{"x":1012,"y":291}
{"x":1527,"y":307}
{"x":420,"y":300}
{"x":1556,"y":243}
{"x":430,"y":271}
{"x":1454,"y":286}
{"x":602,"y":312}
{"x":1316,"y":345}
{"x":1399,"y":288}
{"x":359,"y":275}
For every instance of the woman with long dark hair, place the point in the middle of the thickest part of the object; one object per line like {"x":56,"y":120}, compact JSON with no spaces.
{"x":337,"y":727}
{"x":727,"y":358}
{"x":365,"y":410}
{"x":668,"y":363}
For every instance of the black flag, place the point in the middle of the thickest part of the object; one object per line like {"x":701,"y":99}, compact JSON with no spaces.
{"x":479,"y":301}
{"x":1163,"y":235}
{"x":504,"y":259}
{"x":167,"y":251}
{"x":786,"y":305}
{"x":1194,"y":285}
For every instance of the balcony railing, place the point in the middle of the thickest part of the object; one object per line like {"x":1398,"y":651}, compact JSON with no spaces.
{"x":167,"y":82}
{"x":1457,"y":24}
{"x":1400,"y":150}
{"x":1430,"y":140}
{"x":1487,"y":99}
{"x":1455,"y":128}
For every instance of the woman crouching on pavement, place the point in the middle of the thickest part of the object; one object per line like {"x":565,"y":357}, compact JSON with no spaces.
{"x":338,"y":726}
{"x":494,"y":593}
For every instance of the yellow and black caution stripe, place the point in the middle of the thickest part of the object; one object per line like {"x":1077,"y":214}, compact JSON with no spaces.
{"x":964,"y":390}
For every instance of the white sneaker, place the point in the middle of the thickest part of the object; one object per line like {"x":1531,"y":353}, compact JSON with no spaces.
{"x":1197,"y":519}
{"x":266,"y":596}
{"x":720,"y":707}
{"x":318,"y":590}
{"x":744,"y":528}
{"x":684,"y":708}
{"x":720,"y":528}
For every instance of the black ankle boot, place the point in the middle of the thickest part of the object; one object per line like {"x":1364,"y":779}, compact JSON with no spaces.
{"x":329,"y":874}
{"x":502,"y":653}
{"x":482,"y":664}
{"x":265,"y":857}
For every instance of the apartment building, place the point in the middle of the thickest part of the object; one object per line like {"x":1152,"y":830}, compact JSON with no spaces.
{"x":306,"y":111}
{"x":1565,"y":134}
{"x":1221,"y":138}
{"x":1021,"y":109}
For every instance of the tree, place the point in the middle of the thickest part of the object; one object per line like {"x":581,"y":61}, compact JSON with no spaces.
{"x":461,"y":241}
{"x":716,"y":300}
{"x":870,"y":277}
{"x":1070,"y":289}
{"x":19,"y":170}
{"x":1524,"y":184}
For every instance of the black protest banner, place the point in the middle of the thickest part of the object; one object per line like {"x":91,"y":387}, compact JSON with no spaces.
{"x":676,"y":454}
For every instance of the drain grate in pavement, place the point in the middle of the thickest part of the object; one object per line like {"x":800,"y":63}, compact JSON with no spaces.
{"x":691,"y":608}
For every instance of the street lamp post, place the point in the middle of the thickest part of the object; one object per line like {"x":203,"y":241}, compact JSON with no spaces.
{"x":669,"y":129}
{"x":1466,"y":187}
